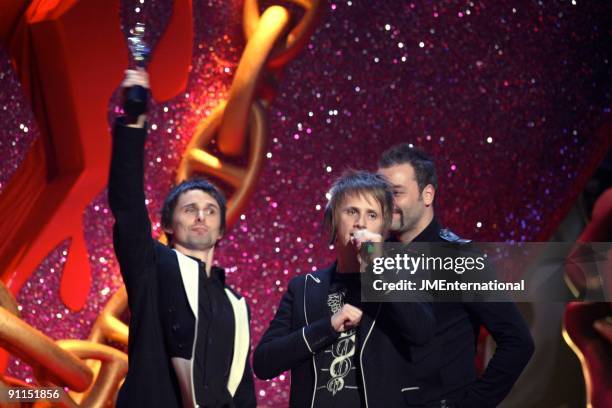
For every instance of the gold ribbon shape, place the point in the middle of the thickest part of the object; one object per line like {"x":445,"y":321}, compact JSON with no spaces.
{"x":242,"y":118}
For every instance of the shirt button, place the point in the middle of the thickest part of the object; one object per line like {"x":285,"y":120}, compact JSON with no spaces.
{"x":180,"y":346}
{"x":175,"y":327}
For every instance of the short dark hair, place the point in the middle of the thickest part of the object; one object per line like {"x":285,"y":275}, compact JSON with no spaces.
{"x":187,"y":185}
{"x":358,"y":182}
{"x":423,"y":165}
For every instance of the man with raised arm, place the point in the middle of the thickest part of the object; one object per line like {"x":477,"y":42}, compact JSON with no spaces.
{"x":189,"y":333}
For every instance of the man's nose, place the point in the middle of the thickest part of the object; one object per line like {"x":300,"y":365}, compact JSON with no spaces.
{"x":360,"y":221}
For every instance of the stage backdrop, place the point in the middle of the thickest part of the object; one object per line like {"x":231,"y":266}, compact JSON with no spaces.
{"x":511,"y":100}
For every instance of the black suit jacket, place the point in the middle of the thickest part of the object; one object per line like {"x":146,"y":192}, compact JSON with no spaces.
{"x":301,"y":330}
{"x":445,"y":366}
{"x":160,"y":301}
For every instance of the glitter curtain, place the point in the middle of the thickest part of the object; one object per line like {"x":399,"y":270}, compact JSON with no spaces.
{"x":509,"y":99}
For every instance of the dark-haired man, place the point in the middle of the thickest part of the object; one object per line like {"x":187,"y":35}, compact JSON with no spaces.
{"x":445,"y":366}
{"x":189,"y":333}
{"x":341,"y":352}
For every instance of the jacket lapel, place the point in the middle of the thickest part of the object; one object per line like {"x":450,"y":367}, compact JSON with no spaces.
{"x":364,"y":332}
{"x":190,"y":273}
{"x":316,"y":289}
{"x":368,"y":320}
{"x":241,"y":341}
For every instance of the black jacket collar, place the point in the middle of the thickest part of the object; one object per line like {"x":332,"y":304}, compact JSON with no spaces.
{"x":431,"y":233}
{"x":215,"y":271}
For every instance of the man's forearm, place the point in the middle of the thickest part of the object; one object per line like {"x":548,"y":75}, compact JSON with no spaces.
{"x":132,"y":231}
{"x":280,"y":352}
{"x":126,"y":179}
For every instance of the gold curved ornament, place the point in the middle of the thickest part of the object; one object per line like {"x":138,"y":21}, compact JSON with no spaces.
{"x":297,"y":37}
{"x":62,"y":363}
{"x":38,"y":350}
{"x":7,"y":300}
{"x":269,"y":30}
{"x":197,"y":160}
{"x":108,"y":325}
{"x":112,"y":370}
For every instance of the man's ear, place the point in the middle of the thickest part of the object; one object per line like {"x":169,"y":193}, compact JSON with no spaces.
{"x":428,"y":194}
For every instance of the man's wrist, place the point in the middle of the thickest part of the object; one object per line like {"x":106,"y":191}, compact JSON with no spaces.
{"x":137,"y":122}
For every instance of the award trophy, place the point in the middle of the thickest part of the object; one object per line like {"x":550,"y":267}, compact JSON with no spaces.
{"x":136,"y":96}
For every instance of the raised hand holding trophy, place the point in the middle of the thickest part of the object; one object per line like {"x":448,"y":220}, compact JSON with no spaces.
{"x":136,"y":96}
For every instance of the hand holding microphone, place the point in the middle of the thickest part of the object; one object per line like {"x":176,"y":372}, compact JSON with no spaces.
{"x":364,"y":236}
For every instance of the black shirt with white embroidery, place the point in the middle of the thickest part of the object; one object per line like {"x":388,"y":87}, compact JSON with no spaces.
{"x":339,"y":377}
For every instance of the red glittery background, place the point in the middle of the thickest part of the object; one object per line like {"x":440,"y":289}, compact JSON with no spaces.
{"x":508,"y":98}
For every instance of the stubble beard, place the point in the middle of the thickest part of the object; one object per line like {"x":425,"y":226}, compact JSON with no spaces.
{"x":407,"y":222}
{"x":200,"y":243}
